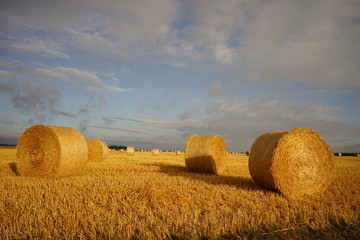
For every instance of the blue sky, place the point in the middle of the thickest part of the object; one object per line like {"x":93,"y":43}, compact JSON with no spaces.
{"x":151,"y":73}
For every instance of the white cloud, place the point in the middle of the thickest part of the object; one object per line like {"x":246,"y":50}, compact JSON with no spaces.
{"x":309,"y":42}
{"x":6,"y":74}
{"x":44,"y":48}
{"x":51,"y":74}
{"x":115,"y":28}
{"x":116,"y":89}
{"x":80,"y":75}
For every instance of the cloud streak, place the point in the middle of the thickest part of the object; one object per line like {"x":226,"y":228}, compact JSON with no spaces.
{"x":38,"y":46}
{"x":61,"y":74}
{"x":163,"y":124}
{"x":115,"y":128}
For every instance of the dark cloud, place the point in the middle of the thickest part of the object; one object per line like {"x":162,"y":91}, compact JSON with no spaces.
{"x":38,"y":98}
{"x":9,"y":87}
{"x":107,"y":121}
{"x":34,"y":101}
{"x":62,"y":113}
{"x":188,"y":113}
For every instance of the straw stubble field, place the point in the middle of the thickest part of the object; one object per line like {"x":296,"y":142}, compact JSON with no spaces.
{"x":154,"y":197}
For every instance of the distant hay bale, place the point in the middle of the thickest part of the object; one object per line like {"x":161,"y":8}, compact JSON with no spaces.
{"x":155,"y":152}
{"x":178,"y":152}
{"x":97,"y":150}
{"x":51,"y":152}
{"x":130,"y":151}
{"x":337,"y":154}
{"x":295,"y":162}
{"x":205,"y":153}
{"x":247,"y":153}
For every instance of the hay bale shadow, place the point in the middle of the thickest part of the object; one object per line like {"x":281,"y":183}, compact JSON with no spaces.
{"x":181,"y":171}
{"x":13,"y":168}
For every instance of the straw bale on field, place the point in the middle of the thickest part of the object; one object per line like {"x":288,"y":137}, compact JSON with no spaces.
{"x":130,"y":151}
{"x":205,"y":153}
{"x":97,"y":150}
{"x":51,"y":152}
{"x":155,"y":152}
{"x":295,"y":162}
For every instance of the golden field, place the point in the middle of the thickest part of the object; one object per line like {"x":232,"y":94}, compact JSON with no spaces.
{"x":154,"y":197}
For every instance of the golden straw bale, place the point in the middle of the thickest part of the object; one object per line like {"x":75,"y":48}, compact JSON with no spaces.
{"x":155,"y":152}
{"x":178,"y":152}
{"x":51,"y":152}
{"x":130,"y":151}
{"x":295,"y":162}
{"x":97,"y":149}
{"x":205,"y":153}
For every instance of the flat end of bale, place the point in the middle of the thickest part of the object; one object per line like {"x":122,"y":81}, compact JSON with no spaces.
{"x":302,"y":163}
{"x":296,"y":162}
{"x":51,"y":152}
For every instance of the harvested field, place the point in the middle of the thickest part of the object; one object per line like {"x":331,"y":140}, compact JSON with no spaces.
{"x":147,"y":197}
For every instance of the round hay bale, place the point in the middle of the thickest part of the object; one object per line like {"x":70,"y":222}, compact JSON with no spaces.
{"x":97,"y":150}
{"x":247,"y":153}
{"x":295,"y":162}
{"x":51,"y":152}
{"x":205,"y":153}
{"x":130,"y":151}
{"x":155,"y":152}
{"x":178,"y":152}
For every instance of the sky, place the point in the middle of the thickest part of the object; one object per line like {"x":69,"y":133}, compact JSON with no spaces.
{"x":149,"y":74}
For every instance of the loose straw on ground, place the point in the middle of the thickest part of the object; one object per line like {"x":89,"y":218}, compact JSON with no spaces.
{"x":97,"y":150}
{"x":295,"y":162}
{"x":51,"y":152}
{"x":205,"y":153}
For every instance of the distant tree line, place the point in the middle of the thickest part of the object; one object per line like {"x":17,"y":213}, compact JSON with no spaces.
{"x":117,"y":147}
{"x":349,"y":154}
